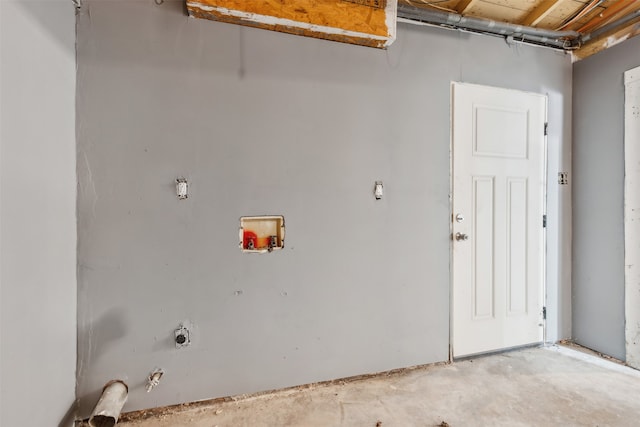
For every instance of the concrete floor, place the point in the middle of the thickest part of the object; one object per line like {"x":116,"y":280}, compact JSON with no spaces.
{"x":552,"y":386}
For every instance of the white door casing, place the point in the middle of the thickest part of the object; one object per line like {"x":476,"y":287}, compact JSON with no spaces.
{"x":498,"y":204}
{"x":632,"y":215}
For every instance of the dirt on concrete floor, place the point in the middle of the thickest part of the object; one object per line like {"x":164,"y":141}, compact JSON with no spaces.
{"x":532,"y":387}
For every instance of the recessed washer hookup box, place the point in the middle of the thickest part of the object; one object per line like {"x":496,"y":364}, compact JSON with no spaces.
{"x":260,"y":234}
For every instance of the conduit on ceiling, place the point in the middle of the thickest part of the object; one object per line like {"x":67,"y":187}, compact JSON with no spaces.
{"x":565,"y":40}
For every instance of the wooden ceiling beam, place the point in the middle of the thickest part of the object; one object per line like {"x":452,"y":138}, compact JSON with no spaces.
{"x":464,"y":5}
{"x":609,"y":13}
{"x":540,"y":12}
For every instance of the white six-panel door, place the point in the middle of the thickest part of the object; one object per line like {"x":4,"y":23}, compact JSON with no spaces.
{"x":498,"y":195}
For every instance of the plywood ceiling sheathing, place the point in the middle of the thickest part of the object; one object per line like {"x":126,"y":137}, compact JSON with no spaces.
{"x":609,"y":14}
{"x":540,"y":12}
{"x":364,"y":22}
{"x":583,"y":16}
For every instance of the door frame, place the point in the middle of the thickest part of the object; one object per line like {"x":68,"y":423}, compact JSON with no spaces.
{"x":631,"y":217}
{"x":545,"y":162}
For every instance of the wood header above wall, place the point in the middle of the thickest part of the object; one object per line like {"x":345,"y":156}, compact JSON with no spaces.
{"x":363,"y":22}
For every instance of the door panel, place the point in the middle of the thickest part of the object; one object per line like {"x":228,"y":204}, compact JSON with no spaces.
{"x":517,"y":245}
{"x":483,"y":281}
{"x":493,"y":125}
{"x":498,"y":189}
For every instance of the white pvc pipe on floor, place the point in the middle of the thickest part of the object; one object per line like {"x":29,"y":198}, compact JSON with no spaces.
{"x":111,"y":401}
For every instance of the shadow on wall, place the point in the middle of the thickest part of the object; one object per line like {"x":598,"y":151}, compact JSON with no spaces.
{"x":100,"y":335}
{"x":70,"y":417}
{"x":49,"y":15}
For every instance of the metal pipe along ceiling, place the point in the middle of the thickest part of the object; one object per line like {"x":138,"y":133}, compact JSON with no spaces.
{"x":557,"y":39}
{"x":610,"y":27}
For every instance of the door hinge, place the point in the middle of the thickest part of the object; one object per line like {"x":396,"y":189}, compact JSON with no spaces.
{"x":546,"y":129}
{"x":544,"y":313}
{"x":544,"y":221}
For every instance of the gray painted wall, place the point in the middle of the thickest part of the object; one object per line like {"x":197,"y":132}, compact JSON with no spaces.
{"x":598,"y":199}
{"x":37,"y":213}
{"x":266,"y":123}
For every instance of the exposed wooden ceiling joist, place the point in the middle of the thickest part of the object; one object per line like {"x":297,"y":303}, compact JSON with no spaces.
{"x":464,"y":5}
{"x":583,"y":16}
{"x":540,"y":12}
{"x":561,"y":24}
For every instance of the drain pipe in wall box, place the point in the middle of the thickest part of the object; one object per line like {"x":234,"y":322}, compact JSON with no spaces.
{"x":108,"y":408}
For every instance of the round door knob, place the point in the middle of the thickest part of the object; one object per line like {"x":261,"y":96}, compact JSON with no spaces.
{"x":461,"y":236}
